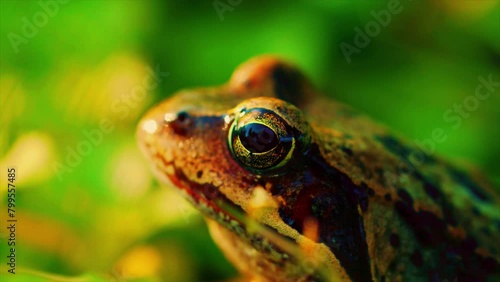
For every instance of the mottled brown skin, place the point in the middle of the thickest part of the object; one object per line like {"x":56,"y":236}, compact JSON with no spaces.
{"x":357,"y":203}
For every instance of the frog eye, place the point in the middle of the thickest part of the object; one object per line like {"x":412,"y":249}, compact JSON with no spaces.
{"x":263,"y":140}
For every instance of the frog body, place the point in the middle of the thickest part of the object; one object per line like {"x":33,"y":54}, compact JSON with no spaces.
{"x":298,"y":187}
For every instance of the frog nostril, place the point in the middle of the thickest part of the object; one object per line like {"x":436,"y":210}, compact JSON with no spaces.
{"x":181,"y":123}
{"x":182,"y":116}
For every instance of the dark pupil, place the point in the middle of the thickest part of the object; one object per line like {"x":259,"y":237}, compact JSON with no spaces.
{"x":258,"y":138}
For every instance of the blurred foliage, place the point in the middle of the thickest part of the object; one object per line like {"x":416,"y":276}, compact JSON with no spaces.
{"x":103,"y":216}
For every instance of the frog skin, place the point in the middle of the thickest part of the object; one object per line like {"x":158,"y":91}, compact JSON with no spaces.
{"x":298,"y":187}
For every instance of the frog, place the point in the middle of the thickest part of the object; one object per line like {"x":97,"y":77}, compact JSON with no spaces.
{"x":296,"y":186}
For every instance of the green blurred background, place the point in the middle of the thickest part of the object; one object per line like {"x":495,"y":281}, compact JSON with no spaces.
{"x":104,"y":216}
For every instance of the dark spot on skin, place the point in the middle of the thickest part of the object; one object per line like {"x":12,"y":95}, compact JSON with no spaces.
{"x":416,"y":258}
{"x":288,"y":84}
{"x":423,"y":235}
{"x":199,"y":174}
{"x":361,"y":165}
{"x":403,"y":194}
{"x":431,"y":228}
{"x":404,"y":211}
{"x":394,"y":239}
{"x":371,"y":192}
{"x":388,"y":197}
{"x":475,"y":211}
{"x":485,"y":230}
{"x":466,"y":181}
{"x":347,"y":151}
{"x":432,"y":191}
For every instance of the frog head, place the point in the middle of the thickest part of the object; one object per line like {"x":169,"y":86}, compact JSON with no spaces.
{"x":239,"y":153}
